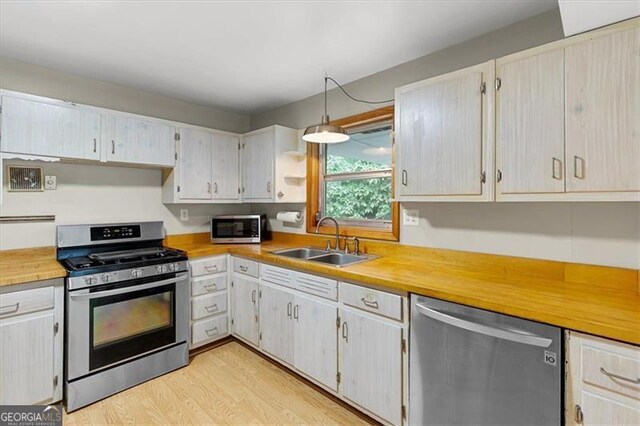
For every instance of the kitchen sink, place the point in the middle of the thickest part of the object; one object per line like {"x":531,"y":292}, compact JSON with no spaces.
{"x":329,"y":257}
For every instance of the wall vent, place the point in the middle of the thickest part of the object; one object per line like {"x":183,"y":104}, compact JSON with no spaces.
{"x":25,"y":179}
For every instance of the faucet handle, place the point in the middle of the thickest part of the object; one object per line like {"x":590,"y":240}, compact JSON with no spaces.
{"x":346,"y":245}
{"x":327,"y":245}
{"x":356,"y":246}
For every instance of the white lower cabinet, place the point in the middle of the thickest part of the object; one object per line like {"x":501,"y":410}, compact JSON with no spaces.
{"x":209,"y":300}
{"x":371,"y":364}
{"x":602,"y":385}
{"x":244,"y":308}
{"x":276,"y":322}
{"x":31,"y":344}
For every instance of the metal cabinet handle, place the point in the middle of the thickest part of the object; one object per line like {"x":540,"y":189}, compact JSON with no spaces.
{"x":212,"y":308}
{"x":371,"y":304}
{"x":269,"y":187}
{"x":243,"y":268}
{"x":289,"y":309}
{"x":14,"y":308}
{"x":210,"y":287}
{"x":578,"y":415}
{"x":499,"y":176}
{"x":95,"y":145}
{"x":213,"y":268}
{"x":345,"y":331}
{"x":404,"y":177}
{"x":215,"y":187}
{"x":577,"y":160}
{"x":210,"y":332}
{"x":208,"y":187}
{"x":554,"y":162}
{"x":295,"y":312}
{"x":253,"y":297}
{"x":113,"y":146}
{"x":616,"y":376}
{"x":499,"y":333}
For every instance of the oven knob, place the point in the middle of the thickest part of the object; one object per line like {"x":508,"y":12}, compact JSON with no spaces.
{"x":159,"y":269}
{"x":172,"y":267}
{"x":136,"y":273}
{"x":90,"y":280}
{"x":105,"y":278}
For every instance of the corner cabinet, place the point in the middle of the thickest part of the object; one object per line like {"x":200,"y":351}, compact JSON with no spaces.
{"x":568,"y":126}
{"x":269,"y":173}
{"x":602,"y":382}
{"x":31,"y":343}
{"x":207,"y":168}
{"x":443,"y":137}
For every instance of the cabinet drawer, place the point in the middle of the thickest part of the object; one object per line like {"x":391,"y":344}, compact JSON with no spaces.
{"x":608,"y":369}
{"x":21,"y":302}
{"x":208,"y":284}
{"x":244,"y":266}
{"x":208,"y":265}
{"x":278,"y":276}
{"x":312,"y":284}
{"x":209,"y":329}
{"x":376,"y":301}
{"x":204,"y":306}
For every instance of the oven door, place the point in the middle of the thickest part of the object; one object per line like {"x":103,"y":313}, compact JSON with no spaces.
{"x":235,"y":230}
{"x":110,"y":324}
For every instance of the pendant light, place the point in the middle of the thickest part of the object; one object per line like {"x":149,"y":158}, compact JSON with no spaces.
{"x":325,"y":132}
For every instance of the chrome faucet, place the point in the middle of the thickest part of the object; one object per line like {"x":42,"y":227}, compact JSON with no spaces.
{"x":335,"y":222}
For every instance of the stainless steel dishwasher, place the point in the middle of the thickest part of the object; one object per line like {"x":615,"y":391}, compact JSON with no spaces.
{"x":468,"y":366}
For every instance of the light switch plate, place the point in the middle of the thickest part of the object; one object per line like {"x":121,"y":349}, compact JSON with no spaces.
{"x":50,"y":182}
{"x":410,"y":217}
{"x":184,"y":215}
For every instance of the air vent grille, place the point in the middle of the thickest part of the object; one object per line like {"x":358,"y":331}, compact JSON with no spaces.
{"x":25,"y":179}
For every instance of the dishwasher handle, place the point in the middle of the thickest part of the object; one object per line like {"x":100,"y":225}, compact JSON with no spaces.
{"x":500,"y":333}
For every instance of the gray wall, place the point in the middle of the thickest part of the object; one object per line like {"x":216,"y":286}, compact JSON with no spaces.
{"x":37,"y":80}
{"x":535,"y":31}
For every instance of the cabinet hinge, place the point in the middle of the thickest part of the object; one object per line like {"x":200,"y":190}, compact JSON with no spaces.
{"x":403,"y":345}
{"x":338,"y":377}
{"x":178,"y":188}
{"x":56,"y":327}
{"x":403,"y":411}
{"x":177,"y":136}
{"x":338,"y":322}
{"x":498,"y":83}
{"x":483,"y":177}
{"x":55,"y":381}
{"x":483,"y":87}
{"x":579,"y":416}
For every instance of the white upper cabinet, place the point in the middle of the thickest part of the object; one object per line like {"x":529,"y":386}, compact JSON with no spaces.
{"x":194,"y":157}
{"x":225,"y":177}
{"x":130,"y":139}
{"x":49,"y":128}
{"x":603,"y":113}
{"x":442,"y":135}
{"x":269,"y":173}
{"x":530,"y":123}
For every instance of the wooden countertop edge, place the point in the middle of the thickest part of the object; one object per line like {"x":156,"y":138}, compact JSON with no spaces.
{"x":22,"y":266}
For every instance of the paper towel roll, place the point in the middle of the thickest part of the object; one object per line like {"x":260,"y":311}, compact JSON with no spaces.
{"x":291,"y":217}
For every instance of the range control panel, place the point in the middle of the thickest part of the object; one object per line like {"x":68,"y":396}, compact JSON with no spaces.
{"x":118,"y":232}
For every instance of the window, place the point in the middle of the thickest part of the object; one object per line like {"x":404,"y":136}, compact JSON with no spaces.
{"x":354,"y":180}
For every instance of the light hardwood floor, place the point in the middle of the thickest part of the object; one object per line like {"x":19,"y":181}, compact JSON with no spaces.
{"x":229,"y":384}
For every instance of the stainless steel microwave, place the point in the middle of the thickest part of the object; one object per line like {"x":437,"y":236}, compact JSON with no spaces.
{"x":239,"y":229}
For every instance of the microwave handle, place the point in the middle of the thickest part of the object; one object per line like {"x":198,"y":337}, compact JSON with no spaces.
{"x":86,"y":295}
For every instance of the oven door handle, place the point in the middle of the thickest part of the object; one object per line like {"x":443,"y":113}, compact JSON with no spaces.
{"x":95,"y":295}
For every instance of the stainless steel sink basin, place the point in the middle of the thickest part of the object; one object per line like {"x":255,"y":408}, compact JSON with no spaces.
{"x":334,"y":258}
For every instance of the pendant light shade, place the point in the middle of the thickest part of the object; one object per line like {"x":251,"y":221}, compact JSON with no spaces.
{"x":325,"y":133}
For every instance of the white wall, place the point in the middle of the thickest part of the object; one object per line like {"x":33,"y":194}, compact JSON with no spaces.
{"x":97,"y":194}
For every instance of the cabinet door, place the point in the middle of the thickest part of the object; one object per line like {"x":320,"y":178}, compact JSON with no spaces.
{"x":133,"y":140}
{"x":530,"y":138}
{"x":315,"y":340}
{"x":195,"y":164}
{"x":602,"y":110}
{"x":258,"y":166}
{"x":244,"y":308}
{"x":226,"y":167}
{"x":371,"y":364}
{"x":27,"y":359}
{"x":276,"y":322}
{"x":439,"y":135}
{"x":38,"y":128}
{"x":599,"y":410}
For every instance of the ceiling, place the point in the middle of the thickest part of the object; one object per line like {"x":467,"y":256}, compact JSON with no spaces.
{"x":241,"y":56}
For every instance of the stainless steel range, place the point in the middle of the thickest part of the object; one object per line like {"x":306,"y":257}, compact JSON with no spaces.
{"x":127,"y":308}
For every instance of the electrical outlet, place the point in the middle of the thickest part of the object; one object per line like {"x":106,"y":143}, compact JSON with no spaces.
{"x":410,"y":218}
{"x":50,"y":182}
{"x":184,"y":215}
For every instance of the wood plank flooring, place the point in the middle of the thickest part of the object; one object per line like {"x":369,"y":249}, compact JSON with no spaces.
{"x":229,"y":385}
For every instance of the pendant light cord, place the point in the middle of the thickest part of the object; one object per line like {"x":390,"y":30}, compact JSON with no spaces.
{"x":348,"y":95}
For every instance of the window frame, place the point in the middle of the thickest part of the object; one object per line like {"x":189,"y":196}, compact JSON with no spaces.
{"x":315,"y":173}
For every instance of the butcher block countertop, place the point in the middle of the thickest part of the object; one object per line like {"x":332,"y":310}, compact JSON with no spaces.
{"x":27,"y":265}
{"x":599,"y":300}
